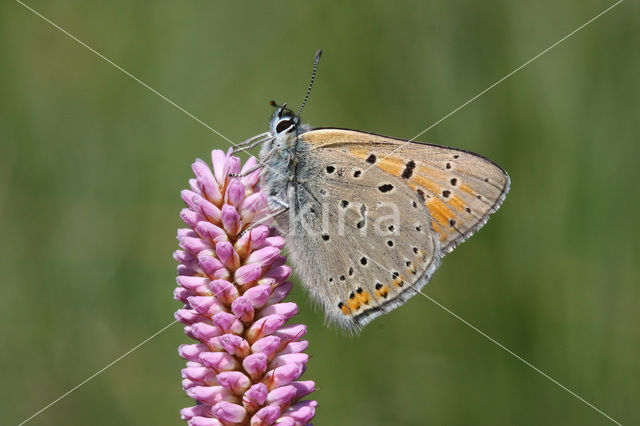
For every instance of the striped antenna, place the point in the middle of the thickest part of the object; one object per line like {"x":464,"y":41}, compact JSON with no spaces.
{"x":313,"y":77}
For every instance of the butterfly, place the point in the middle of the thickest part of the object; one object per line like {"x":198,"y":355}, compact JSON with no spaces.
{"x":367,"y":218}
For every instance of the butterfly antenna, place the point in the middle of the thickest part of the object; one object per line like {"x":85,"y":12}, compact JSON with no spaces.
{"x":313,"y":77}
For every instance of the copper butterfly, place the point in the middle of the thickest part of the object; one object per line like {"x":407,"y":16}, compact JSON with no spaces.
{"x":368,"y":218}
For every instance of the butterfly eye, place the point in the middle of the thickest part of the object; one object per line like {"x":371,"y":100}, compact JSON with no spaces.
{"x":283,"y":125}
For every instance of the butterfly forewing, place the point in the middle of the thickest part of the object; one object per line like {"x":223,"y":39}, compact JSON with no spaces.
{"x":460,"y":189}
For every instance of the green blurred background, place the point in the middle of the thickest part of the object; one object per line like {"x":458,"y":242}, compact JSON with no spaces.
{"x":91,"y":165}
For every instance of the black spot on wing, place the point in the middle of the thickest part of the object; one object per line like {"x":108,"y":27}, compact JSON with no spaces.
{"x":408,"y":169}
{"x":385,"y":187}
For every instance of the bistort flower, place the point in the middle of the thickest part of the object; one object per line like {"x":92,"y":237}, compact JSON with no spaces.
{"x":245,"y":367}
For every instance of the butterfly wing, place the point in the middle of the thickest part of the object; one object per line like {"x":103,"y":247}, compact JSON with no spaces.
{"x":460,"y":189}
{"x":360,"y":250}
{"x":372,"y":216}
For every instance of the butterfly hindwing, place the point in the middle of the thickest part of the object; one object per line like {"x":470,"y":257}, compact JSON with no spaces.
{"x":360,"y":238}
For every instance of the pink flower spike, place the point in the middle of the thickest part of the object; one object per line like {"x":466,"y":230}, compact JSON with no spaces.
{"x":204,"y":375}
{"x":230,"y":220}
{"x":279,"y":272}
{"x":228,"y":412}
{"x":224,"y":291}
{"x":183,"y":257}
{"x":203,"y":331}
{"x":243,"y":310}
{"x":198,"y":410}
{"x":286,"y":310}
{"x":227,"y":255}
{"x":201,"y":169}
{"x":251,"y":206}
{"x":259,"y":235}
{"x":264,"y":327}
{"x":193,"y":184}
{"x":258,"y":295}
{"x":186,"y":233}
{"x":182,"y":294}
{"x":266,"y":416}
{"x":227,"y":322}
{"x":245,"y":364}
{"x":263,"y":257}
{"x":188,"y":384}
{"x":199,"y":285}
{"x":194,"y":245}
{"x":267,"y":345}
{"x":247,"y":274}
{"x":206,"y":305}
{"x":190,"y":217}
{"x":234,"y":381}
{"x":186,"y":271}
{"x":219,"y":361}
{"x":299,"y":359}
{"x":209,"y":264}
{"x":295,"y":347}
{"x":188,"y":316}
{"x":218,"y":159}
{"x":251,"y":179}
{"x":235,"y":193}
{"x":277,"y":242}
{"x":232,"y":165}
{"x":204,"y":421}
{"x":255,"y":397}
{"x":290,"y":333}
{"x":304,"y":388}
{"x":282,"y":375}
{"x":282,"y":396}
{"x":191,"y":352}
{"x":208,"y":210}
{"x":209,"y":394}
{"x":302,"y":412}
{"x":206,"y":181}
{"x":241,"y":245}
{"x":280,"y":292}
{"x":211,"y":233}
{"x":255,"y":364}
{"x":287,"y":421}
{"x":234,"y":345}
{"x":200,"y":205}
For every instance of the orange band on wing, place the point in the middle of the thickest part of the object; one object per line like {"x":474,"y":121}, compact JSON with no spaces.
{"x":457,"y":203}
{"x":438,"y":230}
{"x":439,"y":211}
{"x":466,"y":189}
{"x":345,"y":310}
{"x":399,"y":281}
{"x":424,"y":182}
{"x":364,"y":297}
{"x":392,"y":165}
{"x":354,"y":304}
{"x":423,"y":169}
{"x":382,"y":292}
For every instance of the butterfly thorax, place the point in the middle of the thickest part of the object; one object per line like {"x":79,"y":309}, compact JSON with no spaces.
{"x":279,"y":157}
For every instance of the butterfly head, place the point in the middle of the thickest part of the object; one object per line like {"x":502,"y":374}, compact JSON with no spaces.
{"x":283,"y":121}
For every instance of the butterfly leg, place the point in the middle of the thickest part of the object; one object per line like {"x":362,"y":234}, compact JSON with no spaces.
{"x":255,"y":140}
{"x":282,"y":207}
{"x":254,"y":168}
{"x":245,"y":173}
